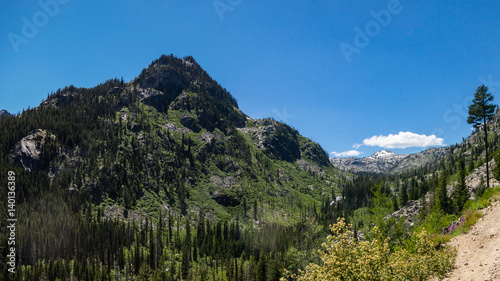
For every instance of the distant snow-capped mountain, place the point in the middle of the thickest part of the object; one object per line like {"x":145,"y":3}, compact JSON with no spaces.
{"x":386,"y":155}
{"x":386,"y":161}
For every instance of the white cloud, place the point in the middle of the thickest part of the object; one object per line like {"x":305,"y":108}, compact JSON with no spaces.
{"x":404,"y":140}
{"x":350,"y":153}
{"x":356,"y":146}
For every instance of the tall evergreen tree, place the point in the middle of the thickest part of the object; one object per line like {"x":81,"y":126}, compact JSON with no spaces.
{"x":442,"y":200}
{"x":186,"y":261}
{"x":255,"y":209}
{"x":496,"y":170}
{"x":261,"y":270}
{"x":480,"y":111}
{"x":460,"y":194}
{"x":404,"y":194}
{"x":395,"y":205}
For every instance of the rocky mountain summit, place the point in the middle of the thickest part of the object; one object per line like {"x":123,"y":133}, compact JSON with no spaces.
{"x":5,"y":113}
{"x":172,"y":130}
{"x":386,"y":161}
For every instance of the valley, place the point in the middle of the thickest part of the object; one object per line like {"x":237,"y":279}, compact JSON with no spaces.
{"x":165,"y":178}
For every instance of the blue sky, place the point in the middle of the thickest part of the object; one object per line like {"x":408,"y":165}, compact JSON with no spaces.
{"x":356,"y":76}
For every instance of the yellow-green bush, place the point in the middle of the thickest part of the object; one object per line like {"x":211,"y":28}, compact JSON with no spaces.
{"x":343,"y":258}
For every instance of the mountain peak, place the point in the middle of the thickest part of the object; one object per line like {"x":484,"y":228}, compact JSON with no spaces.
{"x":384,"y":154}
{"x":386,"y":161}
{"x":5,"y":113}
{"x":172,"y":76}
{"x":172,"y":60}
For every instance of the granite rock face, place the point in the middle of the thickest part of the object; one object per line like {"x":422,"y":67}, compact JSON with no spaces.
{"x":478,"y":178}
{"x":277,"y":140}
{"x":28,"y":151}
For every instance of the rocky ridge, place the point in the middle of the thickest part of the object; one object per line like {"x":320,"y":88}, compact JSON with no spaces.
{"x":386,"y":161}
{"x":180,"y":119}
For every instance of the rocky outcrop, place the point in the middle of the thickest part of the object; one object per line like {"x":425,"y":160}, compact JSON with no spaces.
{"x":225,"y":200}
{"x":190,"y":122}
{"x":277,"y":140}
{"x":315,"y":153}
{"x":282,"y":142}
{"x":27,"y":152}
{"x":409,"y":211}
{"x":306,"y":166}
{"x":174,"y":128}
{"x":170,"y":83}
{"x":415,"y":160}
{"x":62,"y":97}
{"x":154,"y":98}
{"x":164,"y":75}
{"x":223,"y":195}
{"x":123,"y":98}
{"x":4,"y":113}
{"x":225,"y":183}
{"x":478,"y":178}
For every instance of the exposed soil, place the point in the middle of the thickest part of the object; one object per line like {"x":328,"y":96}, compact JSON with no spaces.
{"x":478,"y":252}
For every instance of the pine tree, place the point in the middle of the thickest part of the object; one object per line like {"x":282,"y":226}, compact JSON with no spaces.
{"x":442,"y":200}
{"x":245,"y":206}
{"x":144,"y":272}
{"x":230,"y":270}
{"x":404,"y":194}
{"x":460,"y":193}
{"x":261,"y":269}
{"x":496,"y":170}
{"x":395,"y":205}
{"x":480,"y":111}
{"x":255,"y":209}
{"x":186,"y":261}
{"x":152,"y":254}
{"x":481,"y":188}
{"x":471,"y":165}
{"x":274,"y":267}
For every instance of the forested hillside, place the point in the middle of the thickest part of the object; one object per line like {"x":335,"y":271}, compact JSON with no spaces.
{"x":161,"y":177}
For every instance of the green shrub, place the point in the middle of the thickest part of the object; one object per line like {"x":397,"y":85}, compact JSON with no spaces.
{"x":343,"y":258}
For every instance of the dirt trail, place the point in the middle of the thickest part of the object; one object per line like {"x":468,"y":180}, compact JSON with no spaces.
{"x":478,"y":252}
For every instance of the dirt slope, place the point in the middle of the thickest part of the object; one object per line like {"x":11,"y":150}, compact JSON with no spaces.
{"x":478,"y":252}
